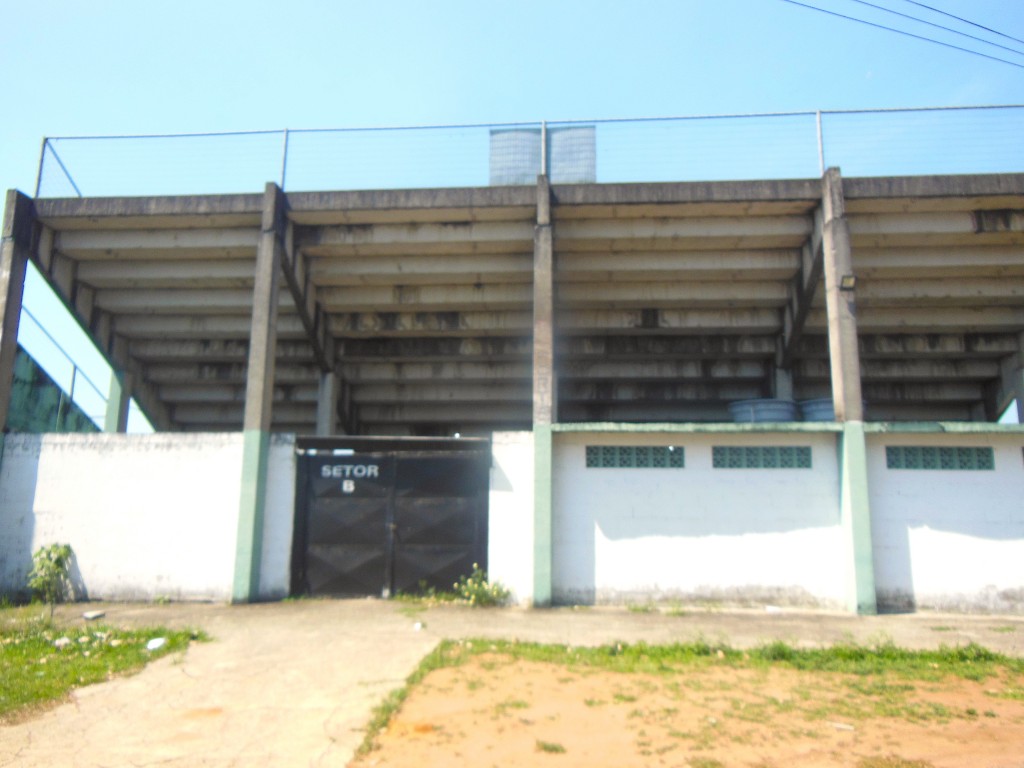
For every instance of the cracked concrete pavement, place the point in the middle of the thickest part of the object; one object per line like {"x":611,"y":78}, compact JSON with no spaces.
{"x":294,"y":683}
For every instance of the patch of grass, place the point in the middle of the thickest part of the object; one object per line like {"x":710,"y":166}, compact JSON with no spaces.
{"x":879,"y":686}
{"x":704,"y":762}
{"x":411,"y":608}
{"x":941,"y":629}
{"x":551,"y":747}
{"x":1004,"y":628}
{"x":892,"y":761}
{"x":641,"y":608}
{"x":508,"y":704}
{"x":1010,"y":692}
{"x":971,"y":662}
{"x":676,"y":610}
{"x":40,"y":663}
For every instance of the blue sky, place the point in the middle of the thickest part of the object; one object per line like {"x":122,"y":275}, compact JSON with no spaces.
{"x":112,"y":66}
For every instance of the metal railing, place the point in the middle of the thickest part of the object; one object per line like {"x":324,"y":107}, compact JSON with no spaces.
{"x":91,"y":400}
{"x":911,"y":141}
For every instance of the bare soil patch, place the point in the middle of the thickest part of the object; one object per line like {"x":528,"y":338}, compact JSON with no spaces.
{"x":495,"y":710}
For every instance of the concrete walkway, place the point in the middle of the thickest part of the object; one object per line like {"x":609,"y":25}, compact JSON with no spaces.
{"x":293,"y":684}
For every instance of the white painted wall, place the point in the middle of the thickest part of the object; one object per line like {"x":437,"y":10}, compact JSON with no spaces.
{"x":757,"y":535}
{"x":510,"y":521}
{"x":147,"y":515}
{"x":950,"y":540}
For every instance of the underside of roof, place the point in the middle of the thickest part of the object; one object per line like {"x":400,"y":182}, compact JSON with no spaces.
{"x":671,"y":300}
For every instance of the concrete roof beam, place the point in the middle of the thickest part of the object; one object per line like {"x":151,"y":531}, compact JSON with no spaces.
{"x":211,"y":351}
{"x":229,"y":393}
{"x":496,"y":349}
{"x":437,"y":298}
{"x":415,"y":269}
{"x":643,"y":393}
{"x":436,"y":413}
{"x":961,"y":392}
{"x":372,"y":373}
{"x":230,"y":414}
{"x":202,"y":327}
{"x":676,"y":321}
{"x":963,"y":292}
{"x":676,"y":294}
{"x":133,"y":245}
{"x":174,"y":274}
{"x":393,"y":324}
{"x":225,"y":373}
{"x":932,"y":262}
{"x":212,"y":301}
{"x":875,"y":320}
{"x":643,"y":348}
{"x":444,"y":393}
{"x":724,"y":232}
{"x":654,"y":370}
{"x":477,"y":237}
{"x":907,"y":370}
{"x":960,"y":228}
{"x":710,"y":265}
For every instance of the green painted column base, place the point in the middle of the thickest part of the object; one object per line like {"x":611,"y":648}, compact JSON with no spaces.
{"x":542,"y":515}
{"x":855,"y":510}
{"x":249,"y":542}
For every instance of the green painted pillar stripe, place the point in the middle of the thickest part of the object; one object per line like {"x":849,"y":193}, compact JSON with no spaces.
{"x":856,"y":518}
{"x":542,"y":505}
{"x":113,"y":420}
{"x":249,"y":542}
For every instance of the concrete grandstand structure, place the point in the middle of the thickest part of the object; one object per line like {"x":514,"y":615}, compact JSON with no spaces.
{"x":568,"y":312}
{"x":668,"y":301}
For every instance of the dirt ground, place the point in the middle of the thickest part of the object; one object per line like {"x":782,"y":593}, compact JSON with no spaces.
{"x":497,"y":711}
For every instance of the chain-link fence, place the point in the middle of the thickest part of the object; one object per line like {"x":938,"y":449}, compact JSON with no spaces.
{"x":946,"y":140}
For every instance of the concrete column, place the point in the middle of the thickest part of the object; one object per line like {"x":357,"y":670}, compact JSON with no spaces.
{"x":840,"y":302}
{"x":259,"y":389}
{"x":327,"y":404}
{"x":15,"y":246}
{"x":544,"y":391}
{"x":782,"y":383}
{"x":118,"y":399}
{"x":844,"y":356}
{"x":1018,"y":379}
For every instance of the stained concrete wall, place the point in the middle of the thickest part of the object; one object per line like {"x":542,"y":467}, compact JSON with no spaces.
{"x":949,"y":539}
{"x":510,"y":522}
{"x":148,"y":516}
{"x":39,"y":405}
{"x":737,"y":535}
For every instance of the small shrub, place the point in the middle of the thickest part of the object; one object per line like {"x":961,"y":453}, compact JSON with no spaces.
{"x":49,"y":579}
{"x":475,"y":589}
{"x":551,"y":747}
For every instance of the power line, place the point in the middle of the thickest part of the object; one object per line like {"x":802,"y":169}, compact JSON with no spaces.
{"x":966,"y":21}
{"x":938,"y":26}
{"x":904,"y":33}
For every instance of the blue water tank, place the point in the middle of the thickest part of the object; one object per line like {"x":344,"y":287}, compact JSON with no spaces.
{"x":745,"y":411}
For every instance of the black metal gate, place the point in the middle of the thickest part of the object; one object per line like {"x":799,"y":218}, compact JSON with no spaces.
{"x":376,"y":516}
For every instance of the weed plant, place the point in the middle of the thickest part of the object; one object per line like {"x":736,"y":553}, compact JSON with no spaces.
{"x":475,"y":590}
{"x":49,"y":578}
